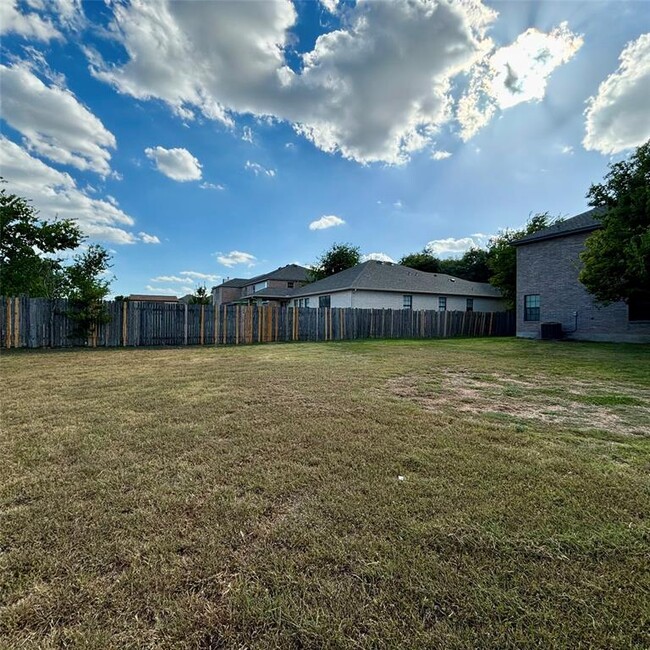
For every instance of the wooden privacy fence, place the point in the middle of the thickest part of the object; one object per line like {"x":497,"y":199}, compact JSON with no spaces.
{"x":41,"y":322}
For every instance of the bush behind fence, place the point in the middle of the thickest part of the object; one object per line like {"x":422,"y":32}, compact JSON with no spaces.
{"x":41,"y":322}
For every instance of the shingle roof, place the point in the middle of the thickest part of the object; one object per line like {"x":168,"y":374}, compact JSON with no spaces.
{"x":288,"y":273}
{"x":385,"y":276}
{"x":143,"y":297}
{"x":271,"y":292}
{"x":235,"y":282}
{"x":584,"y":222}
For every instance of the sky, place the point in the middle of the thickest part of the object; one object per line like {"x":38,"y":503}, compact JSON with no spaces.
{"x":200,"y":141}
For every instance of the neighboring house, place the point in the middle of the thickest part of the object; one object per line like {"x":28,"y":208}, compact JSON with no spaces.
{"x":143,"y":297}
{"x":262,"y":289}
{"x":384,"y":285}
{"x":548,"y":289}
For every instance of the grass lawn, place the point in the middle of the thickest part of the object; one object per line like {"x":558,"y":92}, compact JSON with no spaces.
{"x":249,"y":497}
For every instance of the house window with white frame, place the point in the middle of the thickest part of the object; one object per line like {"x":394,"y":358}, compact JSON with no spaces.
{"x":442,"y":303}
{"x":469,"y":306}
{"x":324,"y":301}
{"x":407,"y":302}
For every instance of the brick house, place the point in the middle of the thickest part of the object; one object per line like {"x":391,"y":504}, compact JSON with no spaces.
{"x":274,"y":286}
{"x":548,"y":289}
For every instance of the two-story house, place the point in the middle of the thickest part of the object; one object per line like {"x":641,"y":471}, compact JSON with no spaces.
{"x":275,"y":286}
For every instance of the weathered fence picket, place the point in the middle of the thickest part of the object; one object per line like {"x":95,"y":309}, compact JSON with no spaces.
{"x":40,"y":322}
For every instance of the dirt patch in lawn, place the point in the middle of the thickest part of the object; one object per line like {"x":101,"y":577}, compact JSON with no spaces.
{"x":579,"y":404}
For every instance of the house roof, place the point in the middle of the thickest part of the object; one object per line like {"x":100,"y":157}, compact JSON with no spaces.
{"x":386,"y":276}
{"x":288,"y":273}
{"x":584,"y":222}
{"x":271,"y":292}
{"x":143,"y":297}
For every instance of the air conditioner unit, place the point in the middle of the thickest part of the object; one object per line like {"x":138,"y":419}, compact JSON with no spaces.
{"x":549,"y":331}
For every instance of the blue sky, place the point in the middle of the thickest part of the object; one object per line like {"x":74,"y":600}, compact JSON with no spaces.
{"x":207,"y":140}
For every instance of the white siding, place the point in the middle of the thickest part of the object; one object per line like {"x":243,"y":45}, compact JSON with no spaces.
{"x":395,"y":300}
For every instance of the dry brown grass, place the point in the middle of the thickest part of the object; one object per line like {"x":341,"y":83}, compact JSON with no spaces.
{"x":248,"y":497}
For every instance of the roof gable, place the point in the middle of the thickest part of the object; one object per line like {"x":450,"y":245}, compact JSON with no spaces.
{"x":583,"y":222}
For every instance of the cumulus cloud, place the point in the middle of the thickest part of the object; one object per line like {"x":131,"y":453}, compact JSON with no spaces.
{"x":451,"y":245}
{"x":375,"y":89}
{"x":236,"y":257}
{"x":178,"y":164}
{"x":168,"y":291}
{"x":326,"y":221}
{"x":379,"y":257}
{"x":258,"y":169}
{"x":617,"y":117}
{"x":440,"y":155}
{"x":567,"y":150}
{"x":145,"y":238}
{"x":55,"y":193}
{"x":53,"y":122}
{"x":195,"y":275}
{"x":247,"y":134}
{"x":514,"y":74}
{"x":28,"y":24}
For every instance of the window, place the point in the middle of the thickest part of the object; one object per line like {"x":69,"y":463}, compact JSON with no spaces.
{"x":306,"y":302}
{"x":260,"y":285}
{"x":531,"y":307}
{"x":289,"y":285}
{"x":639,"y":308}
{"x":324,"y":301}
{"x":407,"y":302}
{"x":470,"y":304}
{"x":301,"y":302}
{"x":442,"y":303}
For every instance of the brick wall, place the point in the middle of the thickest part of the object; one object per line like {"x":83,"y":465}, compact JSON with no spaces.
{"x":550,"y":268}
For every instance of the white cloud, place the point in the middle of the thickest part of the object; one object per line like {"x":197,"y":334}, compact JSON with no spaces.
{"x":452,"y":245}
{"x":567,"y":150}
{"x":514,"y":74}
{"x":247,"y":134}
{"x":330,"y":5}
{"x":617,"y":117}
{"x":55,"y":193}
{"x":398,"y":205}
{"x":380,"y":257}
{"x":212,"y":186}
{"x":178,"y":164}
{"x":168,"y":291}
{"x":168,"y":278}
{"x":257,"y":169}
{"x":195,"y":275}
{"x":440,"y":155}
{"x":53,"y":122}
{"x":29,"y":25}
{"x":376,"y":89}
{"x":236,"y":257}
{"x":145,"y":238}
{"x":326,"y":221}
{"x":186,"y":276}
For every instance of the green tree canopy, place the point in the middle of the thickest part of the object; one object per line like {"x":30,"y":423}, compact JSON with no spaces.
{"x":200,"y":296}
{"x":422,"y":261}
{"x":336,"y":259}
{"x":617,"y":257}
{"x":502,"y":256}
{"x":28,"y":248}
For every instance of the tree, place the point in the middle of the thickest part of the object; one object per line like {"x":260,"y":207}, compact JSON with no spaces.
{"x":28,"y":247}
{"x":617,"y":257}
{"x":502,"y":256}
{"x":87,"y":289}
{"x":472,"y":265}
{"x":422,"y":261}
{"x":200,"y":297}
{"x":336,"y":259}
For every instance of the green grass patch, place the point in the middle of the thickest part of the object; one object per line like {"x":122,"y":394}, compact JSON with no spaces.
{"x":249,"y":497}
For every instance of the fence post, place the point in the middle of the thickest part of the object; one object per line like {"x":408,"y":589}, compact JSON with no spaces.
{"x":124,"y":324}
{"x":202,"y":333}
{"x":16,"y":322}
{"x":185,"y":325}
{"x":8,"y":325}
